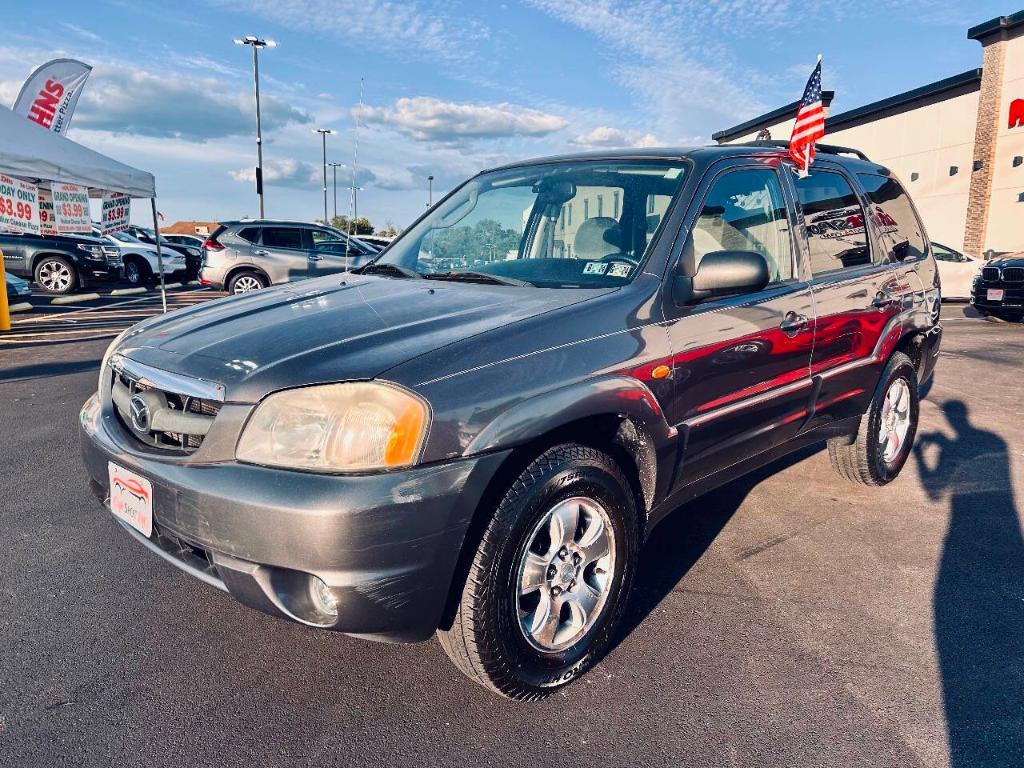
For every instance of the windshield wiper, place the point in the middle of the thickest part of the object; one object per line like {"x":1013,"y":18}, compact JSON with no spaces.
{"x":476,"y":277}
{"x":385,"y":268}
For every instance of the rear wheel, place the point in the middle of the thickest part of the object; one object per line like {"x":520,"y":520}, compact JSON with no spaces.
{"x":136,"y":270}
{"x":57,"y":275}
{"x":549,"y":582}
{"x":883,"y":441}
{"x":246,"y":281}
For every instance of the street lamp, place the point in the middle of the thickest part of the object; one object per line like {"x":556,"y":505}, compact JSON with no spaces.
{"x":430,"y":191}
{"x":323,"y":136}
{"x":334,"y":171}
{"x":256,"y":43}
{"x":355,"y":208}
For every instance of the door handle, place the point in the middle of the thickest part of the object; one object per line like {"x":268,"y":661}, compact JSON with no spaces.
{"x":793,"y":324}
{"x":260,"y":252}
{"x":316,"y":258}
{"x":883,"y":300}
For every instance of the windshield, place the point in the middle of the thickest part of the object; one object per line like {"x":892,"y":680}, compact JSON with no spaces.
{"x":557,"y":225}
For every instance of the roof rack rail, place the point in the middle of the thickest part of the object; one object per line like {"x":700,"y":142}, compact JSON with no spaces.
{"x":831,"y":149}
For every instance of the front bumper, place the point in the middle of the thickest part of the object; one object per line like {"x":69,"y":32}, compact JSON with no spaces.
{"x":386,"y":544}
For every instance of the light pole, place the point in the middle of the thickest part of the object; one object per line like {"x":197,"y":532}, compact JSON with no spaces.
{"x":334,"y":171}
{"x":323,"y":135}
{"x":355,"y":208}
{"x":430,"y":191}
{"x":256,"y":43}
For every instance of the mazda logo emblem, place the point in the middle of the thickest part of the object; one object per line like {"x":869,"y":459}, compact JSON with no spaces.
{"x":139,"y":410}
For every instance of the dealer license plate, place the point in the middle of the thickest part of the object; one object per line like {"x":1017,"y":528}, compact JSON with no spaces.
{"x":995,"y":294}
{"x":131,"y":498}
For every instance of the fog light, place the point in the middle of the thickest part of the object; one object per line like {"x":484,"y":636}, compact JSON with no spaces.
{"x":322,"y":596}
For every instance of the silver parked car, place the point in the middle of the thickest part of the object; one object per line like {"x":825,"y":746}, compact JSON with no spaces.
{"x":243,"y":256}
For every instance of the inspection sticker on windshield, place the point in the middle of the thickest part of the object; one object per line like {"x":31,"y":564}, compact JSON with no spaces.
{"x":131,"y":498}
{"x":594,"y":268}
{"x":619,"y":269}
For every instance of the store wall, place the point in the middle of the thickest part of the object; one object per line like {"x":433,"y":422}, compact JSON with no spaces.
{"x":1006,"y":211}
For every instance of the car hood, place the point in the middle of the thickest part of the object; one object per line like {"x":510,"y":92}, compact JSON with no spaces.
{"x":1013,"y":260}
{"x":337,"y":328}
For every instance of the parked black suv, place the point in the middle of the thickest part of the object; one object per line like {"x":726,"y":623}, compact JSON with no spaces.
{"x":481,"y":452}
{"x":998,"y":289}
{"x":59,"y":264}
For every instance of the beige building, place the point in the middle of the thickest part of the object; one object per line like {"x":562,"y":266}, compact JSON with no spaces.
{"x":957,"y":144}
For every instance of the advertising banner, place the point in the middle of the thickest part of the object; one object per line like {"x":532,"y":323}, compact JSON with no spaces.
{"x":50,"y":94}
{"x":47,"y":222}
{"x":19,"y":205}
{"x":116,"y":212}
{"x":71,"y":208}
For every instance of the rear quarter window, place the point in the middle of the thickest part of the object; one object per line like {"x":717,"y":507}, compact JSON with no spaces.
{"x":895,"y":217}
{"x":250,"y":234}
{"x":834,"y":219}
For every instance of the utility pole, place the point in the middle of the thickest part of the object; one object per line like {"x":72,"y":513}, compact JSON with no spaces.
{"x":256,"y":43}
{"x":334,"y":170}
{"x":323,"y":136}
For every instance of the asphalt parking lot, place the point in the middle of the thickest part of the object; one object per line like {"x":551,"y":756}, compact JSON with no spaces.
{"x":786,"y":620}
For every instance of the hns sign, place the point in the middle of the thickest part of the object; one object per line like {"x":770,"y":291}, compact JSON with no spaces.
{"x":51,"y":93}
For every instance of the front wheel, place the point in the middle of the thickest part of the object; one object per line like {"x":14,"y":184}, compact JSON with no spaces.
{"x":56,"y":275}
{"x":549,"y":581}
{"x":883,"y":441}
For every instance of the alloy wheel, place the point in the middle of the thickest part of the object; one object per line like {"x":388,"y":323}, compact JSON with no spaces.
{"x":55,"y":276}
{"x":246,"y":283}
{"x":895,"y":420}
{"x":564,"y":575}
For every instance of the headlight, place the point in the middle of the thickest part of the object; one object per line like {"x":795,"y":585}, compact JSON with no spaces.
{"x":336,"y":427}
{"x":94,"y":251}
{"x":106,"y":356}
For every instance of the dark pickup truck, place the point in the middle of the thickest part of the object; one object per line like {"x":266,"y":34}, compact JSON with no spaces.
{"x":59,"y":264}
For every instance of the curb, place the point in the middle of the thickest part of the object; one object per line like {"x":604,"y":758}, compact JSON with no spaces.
{"x":194,"y":282}
{"x":74,"y":297}
{"x":128,"y":291}
{"x":23,"y":307}
{"x":172,"y":285}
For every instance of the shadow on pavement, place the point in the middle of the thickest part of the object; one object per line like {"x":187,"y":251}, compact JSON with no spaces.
{"x":40,"y":370}
{"x":676,"y":544}
{"x":979,"y":592}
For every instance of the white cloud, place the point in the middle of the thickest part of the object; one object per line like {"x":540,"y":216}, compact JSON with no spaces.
{"x":428,"y":119}
{"x":286,"y":173}
{"x":604,"y":136}
{"x":132,"y":101}
{"x":401,"y":29}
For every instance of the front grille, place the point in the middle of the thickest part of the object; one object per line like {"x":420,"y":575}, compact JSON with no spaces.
{"x":990,"y":274}
{"x":176,"y":409}
{"x":1013,"y":274}
{"x":113,"y":256}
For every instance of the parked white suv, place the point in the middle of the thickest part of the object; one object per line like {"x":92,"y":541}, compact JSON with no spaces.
{"x":140,"y":259}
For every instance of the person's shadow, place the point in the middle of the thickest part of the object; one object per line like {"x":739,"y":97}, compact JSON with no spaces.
{"x":979,"y":592}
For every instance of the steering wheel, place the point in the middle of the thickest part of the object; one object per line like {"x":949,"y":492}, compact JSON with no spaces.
{"x":620,"y":257}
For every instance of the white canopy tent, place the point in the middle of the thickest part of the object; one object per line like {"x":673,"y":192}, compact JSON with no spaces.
{"x":37,"y":155}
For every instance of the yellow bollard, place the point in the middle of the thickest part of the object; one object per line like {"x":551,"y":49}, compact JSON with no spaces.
{"x":5,"y":313}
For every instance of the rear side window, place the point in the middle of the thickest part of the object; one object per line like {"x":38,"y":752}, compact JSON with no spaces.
{"x":895,"y":217}
{"x":834,"y":220}
{"x":250,"y":234}
{"x":282,"y":237}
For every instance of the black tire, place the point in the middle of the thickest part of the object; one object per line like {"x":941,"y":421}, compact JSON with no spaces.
{"x":862,"y":460}
{"x":57,"y":275}
{"x":246,"y":277}
{"x":486,"y":640}
{"x":137,"y":270}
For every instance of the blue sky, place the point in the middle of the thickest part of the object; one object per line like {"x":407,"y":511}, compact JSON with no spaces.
{"x":450,"y":87}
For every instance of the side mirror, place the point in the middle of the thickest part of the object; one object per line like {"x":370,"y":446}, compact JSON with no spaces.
{"x":723,"y":273}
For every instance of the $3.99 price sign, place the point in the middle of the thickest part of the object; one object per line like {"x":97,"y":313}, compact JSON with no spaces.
{"x":116,"y":212}
{"x":19,"y":205}
{"x":71,"y":208}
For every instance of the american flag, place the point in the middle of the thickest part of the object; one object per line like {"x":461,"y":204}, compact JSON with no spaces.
{"x":810,"y":122}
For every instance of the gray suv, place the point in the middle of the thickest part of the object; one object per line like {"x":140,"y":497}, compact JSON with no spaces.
{"x":243,"y":256}
{"x":481,"y":451}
